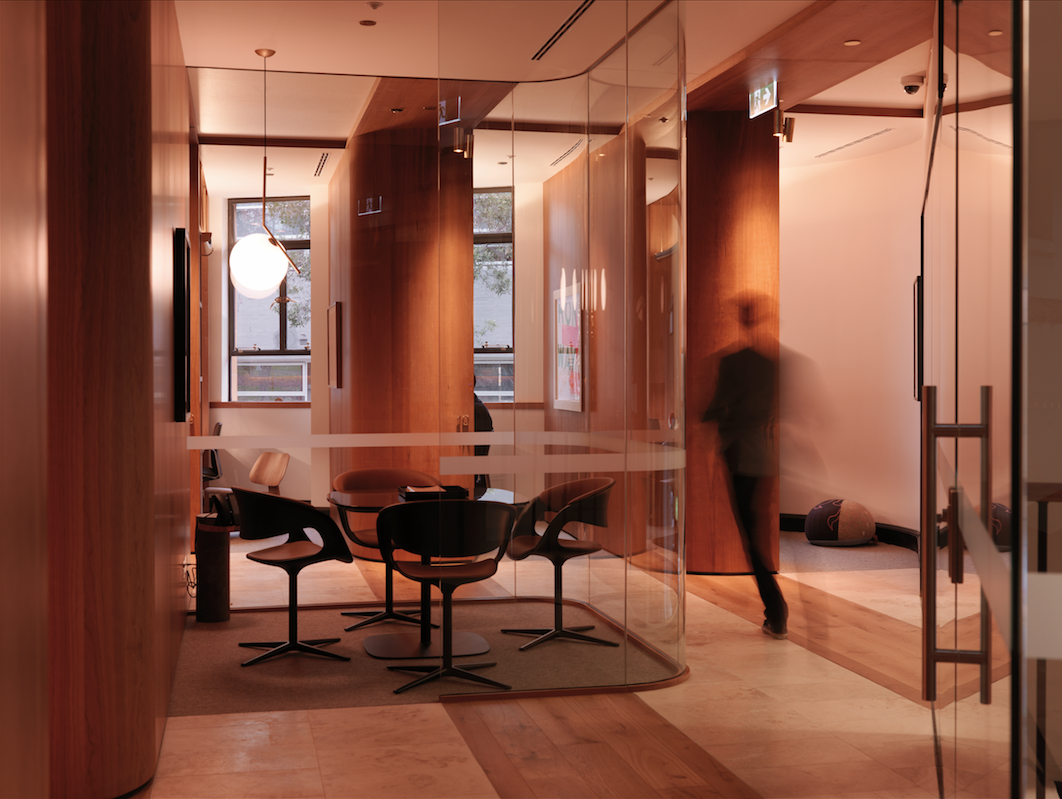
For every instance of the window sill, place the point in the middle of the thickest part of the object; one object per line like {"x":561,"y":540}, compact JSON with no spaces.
{"x":260,"y":405}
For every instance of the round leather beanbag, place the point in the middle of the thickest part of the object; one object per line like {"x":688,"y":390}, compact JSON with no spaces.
{"x":839,"y":523}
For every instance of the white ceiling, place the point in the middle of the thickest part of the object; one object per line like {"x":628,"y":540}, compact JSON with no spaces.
{"x":322,"y":74}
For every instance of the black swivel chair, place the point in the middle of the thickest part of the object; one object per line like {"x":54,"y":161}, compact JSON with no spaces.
{"x":366,"y":482}
{"x":267,"y":515}
{"x":212,"y":466}
{"x":449,"y":536}
{"x":578,"y":501}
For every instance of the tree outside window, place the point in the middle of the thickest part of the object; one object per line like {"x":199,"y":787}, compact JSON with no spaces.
{"x":269,"y":357}
{"x":492,"y":271}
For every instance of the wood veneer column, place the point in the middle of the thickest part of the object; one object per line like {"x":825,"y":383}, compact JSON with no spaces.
{"x":595,"y":232}
{"x":404,"y":275}
{"x":23,"y":421}
{"x":732,"y":236}
{"x":117,"y":468}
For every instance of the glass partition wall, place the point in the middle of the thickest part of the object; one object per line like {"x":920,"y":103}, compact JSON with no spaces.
{"x":583,"y":264}
{"x":967,"y":445}
{"x":593,"y":162}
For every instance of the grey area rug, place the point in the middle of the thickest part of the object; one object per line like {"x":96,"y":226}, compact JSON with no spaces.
{"x":210,"y":680}
{"x":797,"y":554}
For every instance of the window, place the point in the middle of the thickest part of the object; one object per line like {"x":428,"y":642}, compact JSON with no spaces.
{"x":492,"y":259}
{"x":269,"y":355}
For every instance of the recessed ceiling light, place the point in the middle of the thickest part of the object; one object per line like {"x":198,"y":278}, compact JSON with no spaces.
{"x":853,"y":43}
{"x":995,"y":33}
{"x":397,"y":110}
{"x":374,"y":5}
{"x":502,"y":163}
{"x":368,"y":23}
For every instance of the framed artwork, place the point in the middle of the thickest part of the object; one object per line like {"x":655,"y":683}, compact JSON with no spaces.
{"x":335,"y":343}
{"x":568,"y":351}
{"x":182,"y":334}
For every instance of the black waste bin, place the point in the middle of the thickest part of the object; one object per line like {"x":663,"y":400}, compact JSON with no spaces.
{"x":212,"y":568}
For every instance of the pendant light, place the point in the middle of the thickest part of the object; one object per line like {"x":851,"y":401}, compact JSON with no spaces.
{"x":259,"y":263}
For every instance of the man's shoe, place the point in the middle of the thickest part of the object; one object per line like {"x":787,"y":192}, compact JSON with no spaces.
{"x":773,"y":633}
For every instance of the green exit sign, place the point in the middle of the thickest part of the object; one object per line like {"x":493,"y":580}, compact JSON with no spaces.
{"x":763,"y":99}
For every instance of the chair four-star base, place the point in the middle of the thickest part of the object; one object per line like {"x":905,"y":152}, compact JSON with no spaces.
{"x":448,"y":669}
{"x":558,"y":630}
{"x":293,"y":644}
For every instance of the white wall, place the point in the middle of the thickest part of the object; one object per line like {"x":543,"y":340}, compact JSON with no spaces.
{"x":307,"y":476}
{"x":528,"y":327}
{"x":269,"y":420}
{"x":850,"y":426}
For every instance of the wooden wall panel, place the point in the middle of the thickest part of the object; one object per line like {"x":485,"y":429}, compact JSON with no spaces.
{"x":23,"y":422}
{"x":170,"y":209}
{"x":404,"y":278}
{"x":117,"y":466}
{"x":733,"y":245}
{"x":594,"y":219}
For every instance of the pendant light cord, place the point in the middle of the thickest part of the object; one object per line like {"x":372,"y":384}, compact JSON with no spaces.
{"x":265,"y":139}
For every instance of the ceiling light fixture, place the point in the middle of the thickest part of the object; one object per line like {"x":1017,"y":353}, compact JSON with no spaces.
{"x":463,"y":142}
{"x":853,"y":43}
{"x":995,"y":33}
{"x":259,"y":263}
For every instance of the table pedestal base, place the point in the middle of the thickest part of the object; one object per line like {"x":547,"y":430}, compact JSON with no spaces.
{"x":398,"y":646}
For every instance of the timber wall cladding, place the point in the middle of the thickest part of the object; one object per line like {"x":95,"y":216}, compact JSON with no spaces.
{"x":404,"y":275}
{"x":23,"y":359}
{"x":594,"y":216}
{"x":733,"y":246}
{"x":117,"y":466}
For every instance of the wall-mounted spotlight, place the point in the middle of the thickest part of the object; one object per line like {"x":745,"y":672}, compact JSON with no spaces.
{"x":783,"y":126}
{"x":463,"y":140}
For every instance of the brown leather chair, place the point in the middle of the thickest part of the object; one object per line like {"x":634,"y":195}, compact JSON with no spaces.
{"x":376,"y":488}
{"x":268,"y":470}
{"x":578,"y":501}
{"x":268,"y":515}
{"x":451,"y":538}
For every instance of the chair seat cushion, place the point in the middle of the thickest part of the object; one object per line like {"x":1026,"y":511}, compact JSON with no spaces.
{"x":366,"y":537}
{"x":521,"y":546}
{"x":459,"y":573}
{"x":285,"y":553}
{"x":524,"y":545}
{"x":578,"y":545}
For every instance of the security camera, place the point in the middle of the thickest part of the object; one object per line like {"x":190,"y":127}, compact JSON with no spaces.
{"x":912,"y":83}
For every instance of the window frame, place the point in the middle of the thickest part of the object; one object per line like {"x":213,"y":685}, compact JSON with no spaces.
{"x":283,"y":351}
{"x":500,"y":238}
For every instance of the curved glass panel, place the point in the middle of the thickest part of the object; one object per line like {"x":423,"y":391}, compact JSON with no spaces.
{"x":592,"y":162}
{"x":499,"y":306}
{"x":968,"y":239}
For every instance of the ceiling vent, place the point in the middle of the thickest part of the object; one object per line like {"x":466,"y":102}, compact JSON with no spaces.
{"x":853,"y":143}
{"x":568,"y":152}
{"x":982,"y":136}
{"x":563,"y":29}
{"x":321,"y":165}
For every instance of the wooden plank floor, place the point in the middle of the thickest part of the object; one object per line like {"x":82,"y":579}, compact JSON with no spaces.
{"x":587,"y":746}
{"x":876,"y":646}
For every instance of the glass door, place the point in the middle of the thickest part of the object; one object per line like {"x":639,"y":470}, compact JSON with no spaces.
{"x":967,"y":490}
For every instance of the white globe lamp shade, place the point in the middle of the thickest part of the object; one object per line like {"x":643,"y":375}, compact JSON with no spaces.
{"x":257,"y":266}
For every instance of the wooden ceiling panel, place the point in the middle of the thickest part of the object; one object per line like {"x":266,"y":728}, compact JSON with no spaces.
{"x":807,"y":54}
{"x":413,"y":103}
{"x":975,"y":19}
